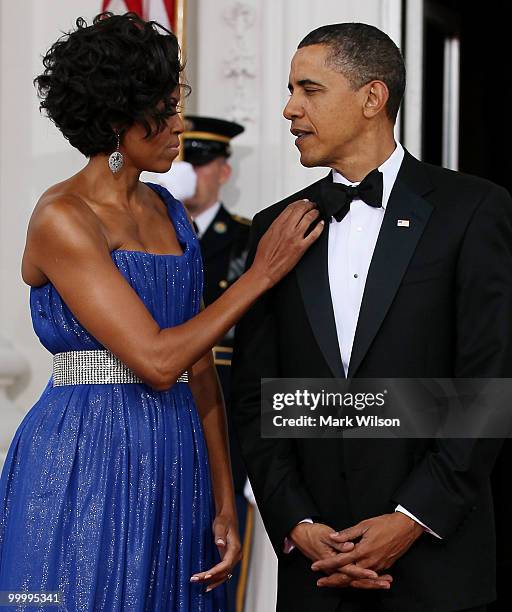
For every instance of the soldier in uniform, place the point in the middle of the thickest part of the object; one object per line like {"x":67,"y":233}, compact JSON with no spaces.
{"x":223,"y":237}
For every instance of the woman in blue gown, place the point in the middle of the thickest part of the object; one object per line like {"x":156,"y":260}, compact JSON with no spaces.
{"x":116,"y":492}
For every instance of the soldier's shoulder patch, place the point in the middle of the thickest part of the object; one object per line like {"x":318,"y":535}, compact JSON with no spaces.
{"x":242,"y":220}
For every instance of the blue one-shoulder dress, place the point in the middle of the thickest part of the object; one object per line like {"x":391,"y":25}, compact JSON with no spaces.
{"x":105,"y":495}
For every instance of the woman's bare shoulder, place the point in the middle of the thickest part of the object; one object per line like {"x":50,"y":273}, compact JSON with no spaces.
{"x":60,"y":221}
{"x":59,"y":205}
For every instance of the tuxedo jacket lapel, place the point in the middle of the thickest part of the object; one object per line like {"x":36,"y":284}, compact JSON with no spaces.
{"x":393,"y":252}
{"x":313,"y":279}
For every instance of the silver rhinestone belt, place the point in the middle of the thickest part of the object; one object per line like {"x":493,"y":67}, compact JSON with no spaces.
{"x":94,"y":368}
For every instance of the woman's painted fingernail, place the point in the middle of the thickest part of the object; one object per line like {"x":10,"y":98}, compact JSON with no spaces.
{"x":194,"y":579}
{"x":208,"y":589}
{"x":221,"y":542}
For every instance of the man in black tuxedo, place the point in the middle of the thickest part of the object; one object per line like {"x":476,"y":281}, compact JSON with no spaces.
{"x":412,"y":277}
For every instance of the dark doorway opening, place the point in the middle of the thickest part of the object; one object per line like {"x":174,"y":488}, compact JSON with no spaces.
{"x":485,"y":86}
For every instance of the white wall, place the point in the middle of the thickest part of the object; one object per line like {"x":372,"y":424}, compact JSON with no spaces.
{"x":33,"y":155}
{"x":241,"y":73}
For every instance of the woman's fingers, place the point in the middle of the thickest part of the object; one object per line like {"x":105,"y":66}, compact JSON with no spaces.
{"x":214,"y":585}
{"x":307,"y":221}
{"x":285,"y":241}
{"x":293,"y":213}
{"x":216,"y":573}
{"x":220,"y":571}
{"x":302,"y":210}
{"x":213,"y":573}
{"x":314,"y":233}
{"x":220,"y":533}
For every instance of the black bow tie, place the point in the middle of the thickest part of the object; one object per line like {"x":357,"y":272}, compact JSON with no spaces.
{"x":335,"y":198}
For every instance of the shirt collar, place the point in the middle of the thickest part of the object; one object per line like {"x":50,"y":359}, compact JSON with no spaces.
{"x":204,"y":219}
{"x":389,"y":169}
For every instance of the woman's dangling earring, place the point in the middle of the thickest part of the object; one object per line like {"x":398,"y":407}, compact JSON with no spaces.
{"x":116,"y":159}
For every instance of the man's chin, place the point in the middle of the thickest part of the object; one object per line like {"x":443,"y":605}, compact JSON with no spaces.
{"x":308,"y":161}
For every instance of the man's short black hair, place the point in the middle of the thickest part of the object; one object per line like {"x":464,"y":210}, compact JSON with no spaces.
{"x":107,"y":76}
{"x":363,"y":53}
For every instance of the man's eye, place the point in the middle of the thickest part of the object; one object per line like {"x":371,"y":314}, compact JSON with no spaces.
{"x":309,"y":90}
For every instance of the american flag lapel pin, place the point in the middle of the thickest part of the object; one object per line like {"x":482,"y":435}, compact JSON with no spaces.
{"x":403,"y":223}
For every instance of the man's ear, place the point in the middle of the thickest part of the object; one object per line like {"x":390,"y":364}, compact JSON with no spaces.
{"x":226,"y":172}
{"x":376,"y":98}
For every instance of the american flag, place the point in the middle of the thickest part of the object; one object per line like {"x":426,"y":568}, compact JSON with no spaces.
{"x":166,"y":12}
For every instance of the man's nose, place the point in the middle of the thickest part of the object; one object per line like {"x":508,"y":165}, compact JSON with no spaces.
{"x":292,"y":109}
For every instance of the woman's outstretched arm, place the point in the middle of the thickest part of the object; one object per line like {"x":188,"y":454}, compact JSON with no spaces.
{"x":66,"y":244}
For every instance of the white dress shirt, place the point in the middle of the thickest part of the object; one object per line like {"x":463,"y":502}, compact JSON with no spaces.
{"x":351,"y":244}
{"x":204,"y":219}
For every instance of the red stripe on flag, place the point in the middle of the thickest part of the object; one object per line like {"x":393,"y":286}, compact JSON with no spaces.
{"x":134,"y":6}
{"x":170,"y":7}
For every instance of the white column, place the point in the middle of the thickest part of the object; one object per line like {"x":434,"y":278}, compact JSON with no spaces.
{"x":414,"y":63}
{"x":451,"y":98}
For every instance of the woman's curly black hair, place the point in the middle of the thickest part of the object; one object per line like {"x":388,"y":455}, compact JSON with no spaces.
{"x":105,"y":77}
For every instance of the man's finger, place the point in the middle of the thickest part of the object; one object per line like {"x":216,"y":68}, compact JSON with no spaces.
{"x":357,"y":573}
{"x":338,"y":581}
{"x":336,"y":562}
{"x":371,"y":584}
{"x":351,"y":533}
{"x":343,"y":547}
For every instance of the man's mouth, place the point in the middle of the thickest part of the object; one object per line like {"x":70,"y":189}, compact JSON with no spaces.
{"x":300,"y":134}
